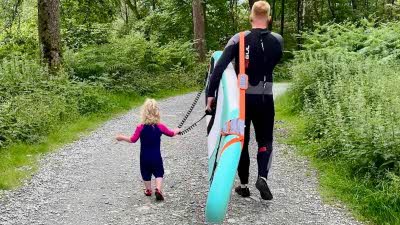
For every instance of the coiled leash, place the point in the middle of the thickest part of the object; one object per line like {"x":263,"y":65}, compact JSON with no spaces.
{"x":196,"y":99}
{"x":185,"y":131}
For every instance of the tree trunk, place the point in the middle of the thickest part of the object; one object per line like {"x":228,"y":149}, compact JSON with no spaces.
{"x":9,"y":24}
{"x":282,"y":16}
{"x":271,"y":24}
{"x":300,"y":20}
{"x":125,"y":13}
{"x":233,"y":4}
{"x":199,"y":28}
{"x":134,"y":8}
{"x":303,"y":14}
{"x":317,"y":14}
{"x":49,"y":32}
{"x":354,"y":4}
{"x":300,"y":15}
{"x":232,"y":12}
{"x":332,"y":9}
{"x":153,"y":4}
{"x":251,"y":3}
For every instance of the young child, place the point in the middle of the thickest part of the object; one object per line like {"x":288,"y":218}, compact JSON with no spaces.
{"x":149,"y":132}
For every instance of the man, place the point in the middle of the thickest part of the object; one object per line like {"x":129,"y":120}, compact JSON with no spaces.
{"x":263,"y":50}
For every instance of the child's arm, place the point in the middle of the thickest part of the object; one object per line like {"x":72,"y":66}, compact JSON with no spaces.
{"x":121,"y":137}
{"x":133,"y":138}
{"x":170,"y":133}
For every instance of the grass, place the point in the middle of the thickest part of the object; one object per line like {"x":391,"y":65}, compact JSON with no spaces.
{"x":368,"y":203}
{"x":19,"y":161}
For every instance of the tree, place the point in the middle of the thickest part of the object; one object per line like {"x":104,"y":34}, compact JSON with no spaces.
{"x":354,"y":4}
{"x":233,"y":12}
{"x":199,"y":28}
{"x":133,"y":6}
{"x":300,"y":20}
{"x":332,"y":8}
{"x":273,"y":14}
{"x":282,"y":16}
{"x":49,"y":32}
{"x":299,"y":15}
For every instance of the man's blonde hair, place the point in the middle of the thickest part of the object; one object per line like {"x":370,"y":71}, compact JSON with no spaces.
{"x":260,"y":10}
{"x":150,"y":112}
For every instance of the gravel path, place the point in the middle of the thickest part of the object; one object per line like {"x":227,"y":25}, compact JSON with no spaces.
{"x":96,"y":181}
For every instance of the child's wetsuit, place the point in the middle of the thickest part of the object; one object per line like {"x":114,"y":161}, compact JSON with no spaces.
{"x":150,"y":154}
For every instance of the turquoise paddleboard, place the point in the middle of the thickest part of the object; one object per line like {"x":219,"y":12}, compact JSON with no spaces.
{"x":222,"y":165}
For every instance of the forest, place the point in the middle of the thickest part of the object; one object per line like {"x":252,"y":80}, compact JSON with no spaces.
{"x":64,"y":61}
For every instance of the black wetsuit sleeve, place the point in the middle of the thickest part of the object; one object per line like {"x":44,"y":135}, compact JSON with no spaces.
{"x":280,"y":39}
{"x":230,"y":52}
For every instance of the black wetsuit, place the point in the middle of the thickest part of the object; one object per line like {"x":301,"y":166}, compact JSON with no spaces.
{"x":264,"y":49}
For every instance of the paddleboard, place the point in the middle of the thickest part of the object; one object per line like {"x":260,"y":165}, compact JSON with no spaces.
{"x":222,"y":163}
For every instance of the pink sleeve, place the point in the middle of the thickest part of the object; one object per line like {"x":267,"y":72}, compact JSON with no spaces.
{"x":164,"y":129}
{"x":136,"y":135}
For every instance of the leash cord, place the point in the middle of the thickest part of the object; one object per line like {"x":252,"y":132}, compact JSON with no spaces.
{"x":185,"y":131}
{"x":191,"y":108}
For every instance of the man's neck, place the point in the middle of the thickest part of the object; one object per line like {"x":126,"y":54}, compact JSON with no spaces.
{"x":259,"y":26}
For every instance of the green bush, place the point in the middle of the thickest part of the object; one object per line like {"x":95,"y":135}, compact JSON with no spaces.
{"x":79,"y":36}
{"x":381,"y":42}
{"x":346,"y":85}
{"x":353,"y":110}
{"x":132,"y":64}
{"x":32,"y":103}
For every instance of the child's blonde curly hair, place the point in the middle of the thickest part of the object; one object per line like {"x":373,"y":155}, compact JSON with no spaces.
{"x":150,"y":112}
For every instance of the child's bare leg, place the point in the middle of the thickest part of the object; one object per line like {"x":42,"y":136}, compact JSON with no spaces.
{"x":147,"y":184}
{"x":159,"y":182}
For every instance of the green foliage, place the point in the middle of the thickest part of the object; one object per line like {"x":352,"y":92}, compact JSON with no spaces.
{"x":224,"y":19}
{"x":173,"y":21}
{"x":86,"y":23}
{"x":132,"y":64}
{"x":392,"y":11}
{"x":377,"y":204}
{"x":345,"y":83}
{"x":365,"y":38}
{"x":32,"y":102}
{"x":76,"y":37}
{"x":19,"y":36}
{"x":88,"y":12}
{"x":282,"y":72}
{"x":176,"y":21}
{"x":19,"y":45}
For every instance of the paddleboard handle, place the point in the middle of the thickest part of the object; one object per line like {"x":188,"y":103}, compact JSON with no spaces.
{"x":243,"y":80}
{"x":233,"y":127}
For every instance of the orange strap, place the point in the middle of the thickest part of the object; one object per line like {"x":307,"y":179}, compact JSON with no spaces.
{"x":242,"y":78}
{"x":242,"y":81}
{"x":242,"y":85}
{"x":241,"y":54}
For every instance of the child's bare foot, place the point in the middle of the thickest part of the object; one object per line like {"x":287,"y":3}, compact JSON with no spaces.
{"x":159,"y":195}
{"x":147,"y":192}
